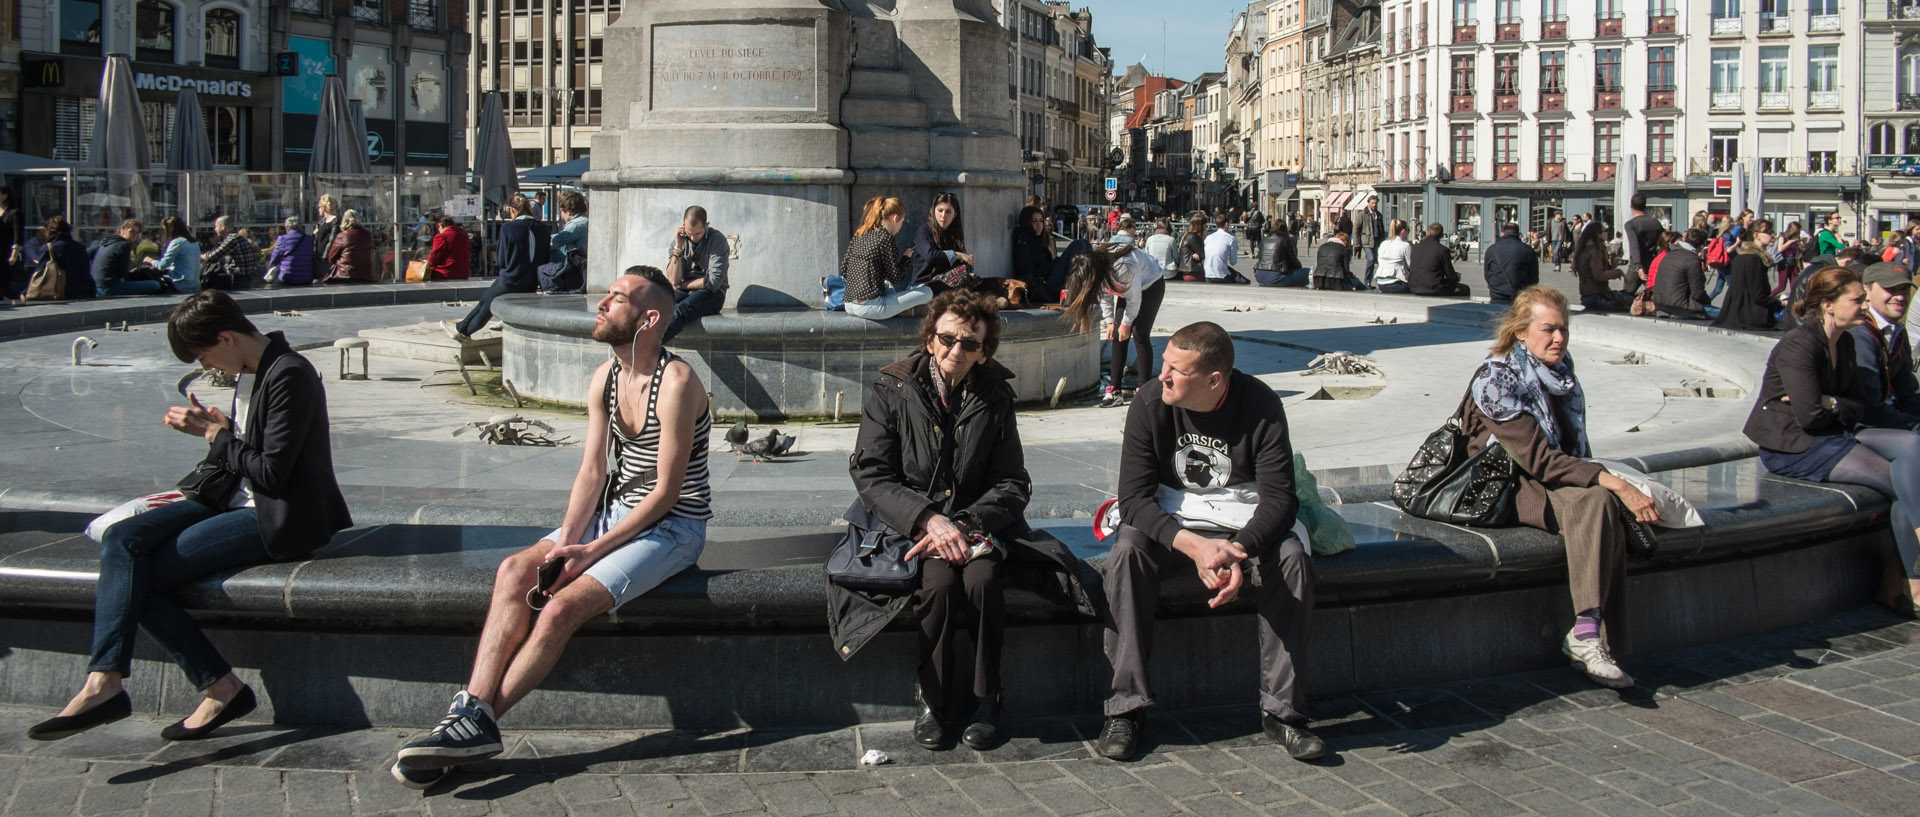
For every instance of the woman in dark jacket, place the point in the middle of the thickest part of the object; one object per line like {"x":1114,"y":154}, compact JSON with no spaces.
{"x":1033,"y":255}
{"x":1680,"y":281}
{"x":1595,"y":271}
{"x":940,"y":248}
{"x":1807,"y":420}
{"x":1526,"y":396}
{"x":72,"y":258}
{"x":1749,"y":304}
{"x":286,"y":504}
{"x":291,"y":262}
{"x":13,"y":235}
{"x":1191,"y":257}
{"x":350,"y":257}
{"x":876,"y":285}
{"x":938,"y":459}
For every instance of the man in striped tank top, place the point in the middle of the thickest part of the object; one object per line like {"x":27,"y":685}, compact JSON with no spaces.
{"x":637,"y":515}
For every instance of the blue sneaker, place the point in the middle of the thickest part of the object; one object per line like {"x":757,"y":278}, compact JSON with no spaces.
{"x":465,"y":735}
{"x":418,"y":779}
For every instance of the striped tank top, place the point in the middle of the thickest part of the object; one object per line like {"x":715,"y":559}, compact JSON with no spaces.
{"x":633,"y":459}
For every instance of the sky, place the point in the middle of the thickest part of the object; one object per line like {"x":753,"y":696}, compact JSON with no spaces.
{"x":1195,"y":41}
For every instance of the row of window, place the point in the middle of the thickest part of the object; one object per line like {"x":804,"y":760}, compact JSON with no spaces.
{"x":73,"y":119}
{"x":421,"y":14}
{"x":1552,"y":139}
{"x":156,"y":32}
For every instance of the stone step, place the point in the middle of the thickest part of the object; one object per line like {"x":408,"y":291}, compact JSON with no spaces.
{"x":427,"y":341}
{"x":874,"y":82}
{"x":892,"y":112}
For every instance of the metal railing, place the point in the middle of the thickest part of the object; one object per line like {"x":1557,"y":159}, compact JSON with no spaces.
{"x":1725,"y":25}
{"x":1815,"y":165}
{"x":424,"y":14}
{"x":1776,"y":24}
{"x":1775,"y":100}
{"x":369,"y":11}
{"x":1724,"y":100}
{"x":314,"y":7}
{"x":1823,"y":100}
{"x":1903,"y":10}
{"x":1823,"y":22}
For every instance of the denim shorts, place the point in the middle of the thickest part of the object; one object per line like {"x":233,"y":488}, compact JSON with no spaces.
{"x":668,"y":547}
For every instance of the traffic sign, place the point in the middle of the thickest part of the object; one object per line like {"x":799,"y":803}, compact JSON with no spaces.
{"x":1112,"y":194}
{"x":1113,"y":184}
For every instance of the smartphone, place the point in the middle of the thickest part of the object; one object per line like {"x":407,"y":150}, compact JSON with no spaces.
{"x":548,"y":573}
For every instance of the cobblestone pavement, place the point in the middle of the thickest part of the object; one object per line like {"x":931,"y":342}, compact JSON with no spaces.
{"x":1817,"y":720}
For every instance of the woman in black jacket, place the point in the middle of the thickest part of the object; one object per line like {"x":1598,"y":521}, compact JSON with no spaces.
{"x":940,"y":248}
{"x":1033,"y":255}
{"x":1190,"y":259}
{"x":1807,"y":420}
{"x":938,"y":459}
{"x":284,"y":504}
{"x":1750,"y":303}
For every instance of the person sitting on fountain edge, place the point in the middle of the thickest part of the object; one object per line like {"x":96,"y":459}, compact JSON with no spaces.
{"x":637,"y":515}
{"x":697,"y":268}
{"x":1205,"y":431}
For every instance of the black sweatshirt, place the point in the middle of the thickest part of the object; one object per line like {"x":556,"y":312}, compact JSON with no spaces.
{"x":1242,"y":442}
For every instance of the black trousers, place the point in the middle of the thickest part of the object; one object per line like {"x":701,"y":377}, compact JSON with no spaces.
{"x":1142,"y":339}
{"x":952,"y":597}
{"x":1284,"y":599}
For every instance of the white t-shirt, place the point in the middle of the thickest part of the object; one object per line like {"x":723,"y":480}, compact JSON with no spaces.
{"x":1222,"y":248}
{"x":242,"y":498}
{"x":1160,"y":246}
{"x":1135,"y":271}
{"x":1394,"y":253}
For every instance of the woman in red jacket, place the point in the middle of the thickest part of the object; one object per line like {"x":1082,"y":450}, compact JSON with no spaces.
{"x":451,"y":256}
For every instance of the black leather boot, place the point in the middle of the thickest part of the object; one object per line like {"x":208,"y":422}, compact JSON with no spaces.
{"x":928,"y":730}
{"x":984,"y":732}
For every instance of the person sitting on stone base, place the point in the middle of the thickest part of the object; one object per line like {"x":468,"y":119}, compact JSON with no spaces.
{"x":697,"y":267}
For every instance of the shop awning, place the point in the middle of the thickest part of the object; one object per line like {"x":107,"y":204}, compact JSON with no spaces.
{"x":11,"y":162}
{"x":1336,"y":201}
{"x":1286,"y":193}
{"x":1359,"y":198}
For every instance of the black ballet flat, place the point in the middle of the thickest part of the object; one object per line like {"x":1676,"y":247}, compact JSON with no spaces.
{"x":241,"y":705}
{"x":66,"y":726}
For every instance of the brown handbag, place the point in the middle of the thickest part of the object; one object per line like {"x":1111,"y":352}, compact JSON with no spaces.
{"x":49,"y":284}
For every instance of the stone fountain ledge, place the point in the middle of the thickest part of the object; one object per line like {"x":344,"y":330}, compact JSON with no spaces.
{"x":33,"y":319}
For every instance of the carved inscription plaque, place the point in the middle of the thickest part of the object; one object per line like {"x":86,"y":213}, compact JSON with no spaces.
{"x":766,"y":65}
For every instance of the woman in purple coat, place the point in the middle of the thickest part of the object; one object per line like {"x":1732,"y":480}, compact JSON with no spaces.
{"x":291,"y":262}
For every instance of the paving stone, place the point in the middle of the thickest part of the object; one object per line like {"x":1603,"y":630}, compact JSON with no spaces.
{"x":243,"y":781}
{"x":1722,"y":702}
{"x":190,"y":803}
{"x":1420,"y":772}
{"x":1659,"y":768}
{"x":652,"y":788}
{"x":1620,"y":805}
{"x":1566,"y":781}
{"x":1331,"y":793}
{"x":457,"y":807}
{"x":1478,"y":801}
{"x":1100,"y":774}
{"x":1803,"y":803}
{"x":1522,"y":735}
{"x":1219,"y":805}
{"x":1405,"y":799}
{"x":1256,"y":788}
{"x":1595,"y":741}
{"x":941,"y":805}
{"x":1871,"y":695}
{"x":601,"y":808}
{"x":837,"y":783}
{"x":58,"y":795}
{"x":1874,"y":729}
{"x":587,"y":788}
{"x":1689,"y":721}
{"x":1552,"y":803}
{"x":1579,"y":759}
{"x":1139,"y":801}
{"x":330,"y":791}
{"x":1646,"y":788}
{"x":726,"y":793}
{"x":261,"y":804}
{"x":869,"y":803}
{"x":1206,"y":761}
{"x":792,"y":798}
{"x":1781,"y":757}
{"x":1792,"y":699}
{"x":1798,"y":730}
{"x":1177,"y":782}
{"x":1610,"y":722}
{"x":1730,"y":797}
{"x":1869,"y":792}
{"x":104,"y":799}
{"x":1065,"y":798}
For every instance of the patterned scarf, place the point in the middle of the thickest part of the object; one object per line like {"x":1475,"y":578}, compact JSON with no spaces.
{"x":1518,"y":383}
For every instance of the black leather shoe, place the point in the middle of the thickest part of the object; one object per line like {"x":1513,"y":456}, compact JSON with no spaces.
{"x":1120,"y":736}
{"x":928,"y":730}
{"x":984,"y":732}
{"x":243,"y":703}
{"x":66,"y":726}
{"x":1300,"y":743}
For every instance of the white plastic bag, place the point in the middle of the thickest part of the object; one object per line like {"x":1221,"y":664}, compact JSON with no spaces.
{"x":97,"y":529}
{"x":1675,"y":510}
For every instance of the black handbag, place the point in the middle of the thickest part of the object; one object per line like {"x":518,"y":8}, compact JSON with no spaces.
{"x":1443,"y":484}
{"x":210,"y":483}
{"x":872,"y":557}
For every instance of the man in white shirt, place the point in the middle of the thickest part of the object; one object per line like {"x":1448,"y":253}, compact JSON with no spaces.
{"x":1222,"y":248}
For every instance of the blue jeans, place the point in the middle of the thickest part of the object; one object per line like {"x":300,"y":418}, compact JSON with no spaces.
{"x":482,"y":313}
{"x":143,"y":560}
{"x":692,"y":305}
{"x":132,"y":288}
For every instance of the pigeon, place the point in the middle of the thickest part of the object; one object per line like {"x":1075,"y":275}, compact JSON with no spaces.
{"x":784,"y":445}
{"x":737,"y":435}
{"x":762,"y":447}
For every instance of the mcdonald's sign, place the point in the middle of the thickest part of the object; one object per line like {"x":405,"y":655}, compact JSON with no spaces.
{"x":43,"y":73}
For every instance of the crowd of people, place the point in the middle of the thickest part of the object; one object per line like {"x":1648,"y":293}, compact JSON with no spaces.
{"x":939,"y":467}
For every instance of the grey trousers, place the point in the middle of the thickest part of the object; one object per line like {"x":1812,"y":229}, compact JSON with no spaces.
{"x":1284,"y":599}
{"x":1590,"y":522}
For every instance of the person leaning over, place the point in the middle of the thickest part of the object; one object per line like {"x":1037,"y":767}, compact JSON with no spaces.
{"x":291,"y":261}
{"x":939,"y":459}
{"x":876,"y":280}
{"x":697,"y":265}
{"x":521,"y":244}
{"x":1430,"y":268}
{"x":1831,"y":411}
{"x":636,"y":515}
{"x":1206,"y":431}
{"x":1525,"y":396}
{"x":1129,"y":285}
{"x":1511,"y":265}
{"x":110,"y":260}
{"x":285,"y":506}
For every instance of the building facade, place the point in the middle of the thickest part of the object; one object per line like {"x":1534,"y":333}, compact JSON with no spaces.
{"x":1514,"y":111}
{"x":1349,"y":128}
{"x":545,"y":60}
{"x":1890,"y":114}
{"x":1282,"y":139}
{"x":1246,"y":42}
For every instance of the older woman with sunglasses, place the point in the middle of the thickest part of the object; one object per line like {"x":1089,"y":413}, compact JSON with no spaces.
{"x":939,"y":461}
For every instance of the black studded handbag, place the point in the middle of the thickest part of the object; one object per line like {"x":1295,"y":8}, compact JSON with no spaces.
{"x":1443,"y":484}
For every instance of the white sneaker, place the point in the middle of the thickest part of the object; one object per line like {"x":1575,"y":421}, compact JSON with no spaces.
{"x":1592,"y":658}
{"x":453,"y":331}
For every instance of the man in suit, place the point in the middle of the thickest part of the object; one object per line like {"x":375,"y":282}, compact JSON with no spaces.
{"x":1559,"y":239}
{"x":522,"y":246}
{"x":1511,"y":265}
{"x":1884,"y":353}
{"x":1330,"y":264}
{"x":1370,"y":230}
{"x":1430,"y":268}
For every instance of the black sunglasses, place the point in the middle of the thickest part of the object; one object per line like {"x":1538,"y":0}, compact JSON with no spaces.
{"x":968,"y":345}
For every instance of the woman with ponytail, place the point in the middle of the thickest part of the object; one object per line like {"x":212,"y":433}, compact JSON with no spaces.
{"x":876,"y":286}
{"x":1110,"y":273}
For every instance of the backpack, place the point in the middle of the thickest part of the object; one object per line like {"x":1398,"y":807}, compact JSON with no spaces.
{"x":565,"y":277}
{"x":1717,"y":255}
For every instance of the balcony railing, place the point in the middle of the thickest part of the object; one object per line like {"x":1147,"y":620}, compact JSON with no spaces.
{"x":1420,"y":35}
{"x":1659,"y":170}
{"x":1552,"y":171}
{"x":1823,"y":23}
{"x":1660,"y":96}
{"x":1506,"y":31}
{"x":1463,"y":171}
{"x":1508,"y":101}
{"x":1462,"y":103}
{"x":1910,"y":102}
{"x":1554,"y":28}
{"x":1553,"y":99}
{"x":368,"y":11}
{"x":1665,"y":24}
{"x":1419,"y":104}
{"x":1903,"y":10}
{"x":1776,"y":24}
{"x":1603,"y":170}
{"x":1610,"y":27}
{"x":1724,"y":100}
{"x":1823,"y":100}
{"x":1725,"y":25}
{"x":1607,"y":98}
{"x":1466,"y":34}
{"x":314,"y":7}
{"x":1818,"y":165}
{"x":1775,"y":100}
{"x":1506,"y":170}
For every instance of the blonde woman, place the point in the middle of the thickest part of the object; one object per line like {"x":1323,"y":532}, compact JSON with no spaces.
{"x":325,"y":230}
{"x":876,"y":279}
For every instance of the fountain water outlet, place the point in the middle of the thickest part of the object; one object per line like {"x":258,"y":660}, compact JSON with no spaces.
{"x":77,"y":343}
